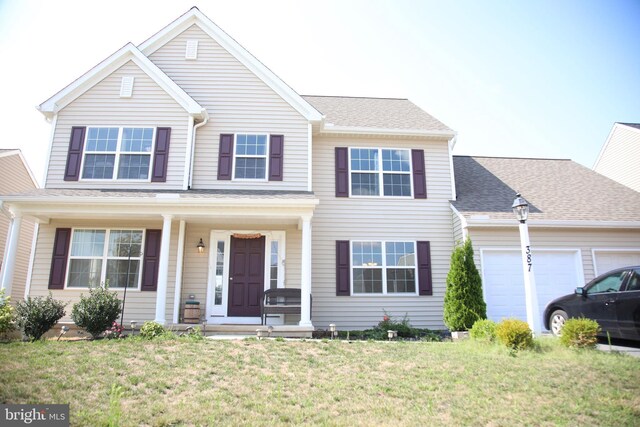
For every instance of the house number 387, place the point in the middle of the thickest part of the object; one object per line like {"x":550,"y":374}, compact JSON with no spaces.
{"x":529,"y":257}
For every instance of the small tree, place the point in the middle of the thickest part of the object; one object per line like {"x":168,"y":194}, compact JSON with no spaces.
{"x":463,"y":302}
{"x":97,"y":312}
{"x":37,"y":315}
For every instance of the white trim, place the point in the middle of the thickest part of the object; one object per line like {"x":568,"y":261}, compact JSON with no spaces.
{"x":384,"y":268}
{"x":551,"y":223}
{"x":194,"y":16}
{"x":177,"y":289}
{"x":219,"y":314}
{"x":309,"y":157}
{"x":251,"y":156}
{"x":11,"y":253}
{"x":192,"y":148}
{"x":125,"y":54}
{"x":32,"y":257}
{"x":450,"y":145}
{"x":593,"y":256}
{"x":54,"y":124}
{"x":105,"y":257}
{"x":330,"y":129}
{"x":381,"y":172}
{"x":188,"y":166}
{"x":463,"y":222}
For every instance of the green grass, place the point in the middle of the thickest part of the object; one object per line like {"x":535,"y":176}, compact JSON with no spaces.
{"x":268,"y":382}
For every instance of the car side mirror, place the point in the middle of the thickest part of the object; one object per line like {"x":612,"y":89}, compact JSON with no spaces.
{"x":580,"y":291}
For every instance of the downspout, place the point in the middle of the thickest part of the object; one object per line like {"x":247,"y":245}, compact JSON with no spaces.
{"x":193,"y":146}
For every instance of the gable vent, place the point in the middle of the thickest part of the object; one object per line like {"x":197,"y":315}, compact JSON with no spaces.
{"x":126,"y":88}
{"x":192,"y":49}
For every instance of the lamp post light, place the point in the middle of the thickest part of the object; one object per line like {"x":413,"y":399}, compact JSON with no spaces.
{"x":521,"y":210}
{"x":332,"y":329}
{"x":133,"y":327}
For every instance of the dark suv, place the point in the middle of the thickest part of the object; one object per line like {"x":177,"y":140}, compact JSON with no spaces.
{"x":613,"y":300}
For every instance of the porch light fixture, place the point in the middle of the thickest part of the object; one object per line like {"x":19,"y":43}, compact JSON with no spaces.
{"x":521,"y":210}
{"x":133,"y":327}
{"x":332,"y":329}
{"x":200,"y":246}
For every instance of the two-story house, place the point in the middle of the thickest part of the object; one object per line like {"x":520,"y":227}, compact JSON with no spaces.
{"x":183,"y":168}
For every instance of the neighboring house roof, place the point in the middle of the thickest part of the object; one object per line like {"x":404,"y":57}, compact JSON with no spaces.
{"x":194,"y":16}
{"x":633,"y":125}
{"x":557,"y":190}
{"x":125,"y":54}
{"x":343,"y":112}
{"x":620,"y":155}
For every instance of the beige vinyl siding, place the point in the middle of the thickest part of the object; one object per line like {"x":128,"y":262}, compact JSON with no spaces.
{"x":15,"y":178}
{"x":379,"y":218}
{"x":237,"y":102}
{"x":458,"y":234}
{"x":582,"y":239}
{"x":621,"y":157}
{"x":139,"y":306}
{"x":196,"y":269}
{"x":150,"y":106}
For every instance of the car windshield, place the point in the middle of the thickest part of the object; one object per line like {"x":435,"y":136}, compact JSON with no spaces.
{"x":610,"y":283}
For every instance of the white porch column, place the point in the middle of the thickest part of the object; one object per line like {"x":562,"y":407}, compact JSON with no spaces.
{"x":305,"y":282}
{"x":179,"y":266}
{"x":163,"y":270}
{"x":10,"y":253}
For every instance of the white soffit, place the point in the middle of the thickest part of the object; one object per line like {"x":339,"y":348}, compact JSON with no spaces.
{"x":194,"y":16}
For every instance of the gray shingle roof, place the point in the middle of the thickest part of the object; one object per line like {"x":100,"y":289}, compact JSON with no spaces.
{"x":382,"y":113}
{"x":555,"y":189}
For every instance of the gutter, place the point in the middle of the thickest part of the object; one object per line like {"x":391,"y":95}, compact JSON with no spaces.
{"x":193,"y":146}
{"x":488,"y":223}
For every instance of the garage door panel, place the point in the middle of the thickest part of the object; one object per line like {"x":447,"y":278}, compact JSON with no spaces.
{"x":610,"y":260}
{"x":503,"y":281}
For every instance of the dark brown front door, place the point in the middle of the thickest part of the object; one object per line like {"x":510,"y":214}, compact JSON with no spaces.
{"x":246,"y":281}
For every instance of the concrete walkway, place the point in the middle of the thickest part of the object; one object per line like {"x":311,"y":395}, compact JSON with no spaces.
{"x":631,"y":351}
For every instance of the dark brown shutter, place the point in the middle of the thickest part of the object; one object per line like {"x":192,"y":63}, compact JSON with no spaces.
{"x":419,"y":175}
{"x":161,"y":155}
{"x":225,"y":157}
{"x":61,"y":244}
{"x":74,"y":155}
{"x":151,"y":260}
{"x":343,"y":268}
{"x":276,"y":157}
{"x":424,"y":268}
{"x":342,"y":172}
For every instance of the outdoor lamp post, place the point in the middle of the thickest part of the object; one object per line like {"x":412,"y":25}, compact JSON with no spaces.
{"x":521,"y":210}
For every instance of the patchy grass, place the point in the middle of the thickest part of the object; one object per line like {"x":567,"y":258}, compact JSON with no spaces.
{"x":172,"y":382}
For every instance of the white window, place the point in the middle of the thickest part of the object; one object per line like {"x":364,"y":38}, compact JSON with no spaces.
{"x":250,"y":156}
{"x":122,"y":153}
{"x":105,"y":256}
{"x":383,"y":267}
{"x":380,"y":172}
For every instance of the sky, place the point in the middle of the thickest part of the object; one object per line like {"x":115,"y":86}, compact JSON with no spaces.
{"x":513,"y":78}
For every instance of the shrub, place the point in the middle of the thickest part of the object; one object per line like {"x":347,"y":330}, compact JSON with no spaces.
{"x":483,"y":330}
{"x":580,"y":333}
{"x":403,"y":327}
{"x":7,"y":314}
{"x":115,"y":331}
{"x":463,"y":302}
{"x":152,"y":330}
{"x":97,"y":312}
{"x":515,"y":334}
{"x":37,"y":315}
{"x":193,"y":334}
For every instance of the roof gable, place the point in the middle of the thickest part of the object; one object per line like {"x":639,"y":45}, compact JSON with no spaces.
{"x":633,"y":127}
{"x":127,"y":53}
{"x":25,"y":165}
{"x":194,"y":16}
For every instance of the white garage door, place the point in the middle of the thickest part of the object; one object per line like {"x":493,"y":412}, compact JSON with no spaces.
{"x":610,"y":260}
{"x":557,"y":274}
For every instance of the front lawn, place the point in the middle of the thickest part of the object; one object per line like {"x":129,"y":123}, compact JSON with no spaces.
{"x":273,"y":382}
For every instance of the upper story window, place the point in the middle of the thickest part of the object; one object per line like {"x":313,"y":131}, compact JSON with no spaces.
{"x":250,"y":156}
{"x":118,"y":153}
{"x":383,"y":267}
{"x":105,"y":256}
{"x":380,"y":172}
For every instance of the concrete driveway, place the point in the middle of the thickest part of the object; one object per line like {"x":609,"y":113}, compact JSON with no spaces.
{"x":631,"y":348}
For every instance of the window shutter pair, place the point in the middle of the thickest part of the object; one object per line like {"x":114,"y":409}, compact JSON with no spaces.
{"x":76,"y":147}
{"x":343,"y":268}
{"x":276,"y":157}
{"x":342,"y":173}
{"x":150,"y":262}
